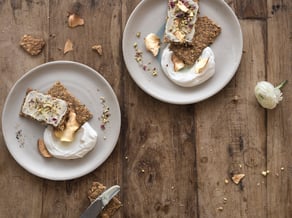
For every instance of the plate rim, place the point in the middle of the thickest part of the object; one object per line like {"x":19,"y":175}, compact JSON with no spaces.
{"x":189,"y":101}
{"x":76,"y":175}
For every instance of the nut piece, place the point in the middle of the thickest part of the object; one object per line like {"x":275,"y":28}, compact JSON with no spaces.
{"x":152,"y":43}
{"x":71,"y":127}
{"x":200,"y":66}
{"x":98,"y":49}
{"x":237,"y":178}
{"x":32,"y":45}
{"x":75,"y":20}
{"x":68,"y":46}
{"x":42,"y":149}
{"x":178,"y":64}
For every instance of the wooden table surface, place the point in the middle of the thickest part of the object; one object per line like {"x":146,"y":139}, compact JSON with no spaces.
{"x":170,"y":160}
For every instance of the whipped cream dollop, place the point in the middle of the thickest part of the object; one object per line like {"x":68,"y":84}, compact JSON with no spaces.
{"x":84,"y":141}
{"x":190,"y":75}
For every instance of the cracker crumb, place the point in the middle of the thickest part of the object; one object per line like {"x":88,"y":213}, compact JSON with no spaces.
{"x":237,"y":178}
{"x":32,"y":45}
{"x":226,"y":181}
{"x":282,"y":168}
{"x":220,"y":208}
{"x":98,"y":49}
{"x":265,"y":173}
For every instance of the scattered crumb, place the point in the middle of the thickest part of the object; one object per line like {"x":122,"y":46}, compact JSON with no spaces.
{"x":126,"y":157}
{"x":138,"y":34}
{"x":282,"y":168}
{"x":226,"y":181}
{"x":235,"y":98}
{"x":43,"y":149}
{"x":20,"y":138}
{"x":224,"y":200}
{"x":237,"y":178}
{"x":98,"y":49}
{"x":265,"y":173}
{"x":143,"y":171}
{"x":220,"y":208}
{"x":104,"y":118}
{"x":75,"y":20}
{"x":68,"y":46}
{"x":32,"y":45}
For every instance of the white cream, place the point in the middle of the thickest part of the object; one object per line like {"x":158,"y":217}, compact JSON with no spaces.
{"x":84,"y":141}
{"x":189,"y":76}
{"x":181,"y":19}
{"x":44,"y":107}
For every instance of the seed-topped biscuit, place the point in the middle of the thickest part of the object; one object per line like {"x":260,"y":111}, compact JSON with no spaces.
{"x":181,"y":19}
{"x":206,"y":33}
{"x":44,"y":108}
{"x":82,"y":112}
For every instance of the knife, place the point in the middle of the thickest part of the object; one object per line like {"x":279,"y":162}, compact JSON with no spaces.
{"x":100,"y":202}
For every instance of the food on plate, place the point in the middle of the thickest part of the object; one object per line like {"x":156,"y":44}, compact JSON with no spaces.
{"x":109,"y":210}
{"x":187,"y":60}
{"x":84,"y":141}
{"x":206,"y":33}
{"x":44,"y":108}
{"x":181,"y":19}
{"x":43,"y":149}
{"x":152,"y":43}
{"x":68,"y":134}
{"x":82,"y":112}
{"x":188,"y":76}
{"x":32,"y":45}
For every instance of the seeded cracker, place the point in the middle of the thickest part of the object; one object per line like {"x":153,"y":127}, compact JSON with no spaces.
{"x":206,"y":33}
{"x":82,"y":112}
{"x":109,"y":210}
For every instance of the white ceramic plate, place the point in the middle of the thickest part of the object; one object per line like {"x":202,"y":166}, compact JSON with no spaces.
{"x":21,"y":134}
{"x":149,"y":17}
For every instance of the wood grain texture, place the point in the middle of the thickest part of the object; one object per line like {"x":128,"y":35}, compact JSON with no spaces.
{"x":279,"y":128}
{"x":234,"y":142}
{"x":170,"y":160}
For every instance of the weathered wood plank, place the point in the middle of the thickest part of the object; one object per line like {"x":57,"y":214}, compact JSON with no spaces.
{"x":279,"y":128}
{"x":249,"y":9}
{"x":102,"y":26}
{"x":17,"y":19}
{"x":233,"y":141}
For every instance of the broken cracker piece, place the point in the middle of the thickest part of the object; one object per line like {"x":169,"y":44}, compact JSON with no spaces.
{"x":75,"y":20}
{"x":68,"y":46}
{"x":237,"y":178}
{"x":152,"y":43}
{"x":43,"y":149}
{"x":98,"y":49}
{"x":110,"y":209}
{"x":32,"y":45}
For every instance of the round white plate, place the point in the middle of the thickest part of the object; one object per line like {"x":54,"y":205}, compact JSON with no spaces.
{"x":21,"y":134}
{"x":149,"y":17}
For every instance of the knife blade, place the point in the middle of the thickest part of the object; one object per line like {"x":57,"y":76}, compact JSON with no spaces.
{"x":100,"y":202}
